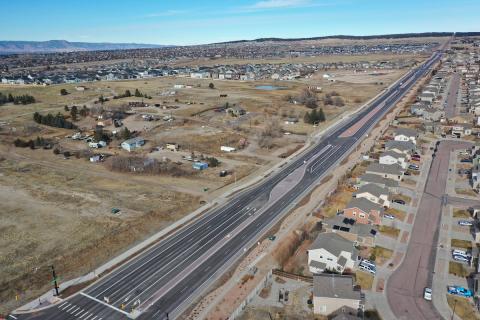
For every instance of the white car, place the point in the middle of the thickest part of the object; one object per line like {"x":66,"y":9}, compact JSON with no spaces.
{"x":367,"y":268}
{"x":461,"y":258}
{"x":458,"y":252}
{"x":389,"y":216}
{"x":465,"y":223}
{"x":427,"y":294}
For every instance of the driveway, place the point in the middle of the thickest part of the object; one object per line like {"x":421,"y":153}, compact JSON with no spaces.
{"x":405,"y":286}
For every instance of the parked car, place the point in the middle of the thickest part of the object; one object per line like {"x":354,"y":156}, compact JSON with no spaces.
{"x":466,"y":160}
{"x":413,"y":166}
{"x":460,"y":258}
{"x":389,"y":216}
{"x":460,"y":291}
{"x":465,"y":223}
{"x":427,"y":294}
{"x":366,"y":268}
{"x":463,"y":253}
{"x":368,"y":263}
{"x":407,"y":173}
{"x":399,"y":201}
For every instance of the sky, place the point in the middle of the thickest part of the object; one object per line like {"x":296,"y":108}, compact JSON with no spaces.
{"x":186,"y":22}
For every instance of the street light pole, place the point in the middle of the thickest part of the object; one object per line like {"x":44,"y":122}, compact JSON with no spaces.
{"x":55,"y":284}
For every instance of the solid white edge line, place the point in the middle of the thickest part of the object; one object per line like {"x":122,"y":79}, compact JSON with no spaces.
{"x":105,"y":304}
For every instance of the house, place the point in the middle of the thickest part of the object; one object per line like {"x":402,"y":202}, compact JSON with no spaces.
{"x":172,"y":146}
{"x":392,"y":171}
{"x":475,"y":177}
{"x":364,"y":211}
{"x":132,"y":144}
{"x":426,"y":96}
{"x":392,"y":157}
{"x":362,"y":234}
{"x":405,"y":147}
{"x":364,"y":179}
{"x":332,"y":292}
{"x":373,"y":193}
{"x":330,"y":251}
{"x":405,"y":134}
{"x":463,"y":129}
{"x":200,"y":165}
{"x":236,"y":111}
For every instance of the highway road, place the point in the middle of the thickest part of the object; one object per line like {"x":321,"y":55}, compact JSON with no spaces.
{"x":165,"y":279}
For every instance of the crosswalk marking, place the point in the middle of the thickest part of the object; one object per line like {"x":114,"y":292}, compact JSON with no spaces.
{"x":78,"y":313}
{"x":68,"y":310}
{"x":88,"y":316}
{"x":75,"y":310}
{"x":66,"y":302}
{"x":65,"y":306}
{"x":83,"y":315}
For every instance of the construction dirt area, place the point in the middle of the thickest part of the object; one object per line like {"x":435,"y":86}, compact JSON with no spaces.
{"x":64,"y":206}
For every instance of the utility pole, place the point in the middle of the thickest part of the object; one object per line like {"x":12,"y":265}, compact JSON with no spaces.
{"x":55,"y":284}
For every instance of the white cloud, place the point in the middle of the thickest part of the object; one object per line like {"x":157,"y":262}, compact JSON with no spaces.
{"x":273,"y":4}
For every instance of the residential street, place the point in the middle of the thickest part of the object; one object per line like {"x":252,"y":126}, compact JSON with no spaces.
{"x":405,"y":286}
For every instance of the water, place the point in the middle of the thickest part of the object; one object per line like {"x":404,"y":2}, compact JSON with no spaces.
{"x":269,"y":87}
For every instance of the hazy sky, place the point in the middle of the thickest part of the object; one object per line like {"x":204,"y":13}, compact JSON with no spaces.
{"x":180,"y":22}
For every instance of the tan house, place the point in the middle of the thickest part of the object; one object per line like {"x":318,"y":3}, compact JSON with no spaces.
{"x":364,"y":211}
{"x":332,"y":292}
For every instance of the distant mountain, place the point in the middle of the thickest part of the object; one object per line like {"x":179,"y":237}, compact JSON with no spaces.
{"x":8,"y":47}
{"x":347,"y":37}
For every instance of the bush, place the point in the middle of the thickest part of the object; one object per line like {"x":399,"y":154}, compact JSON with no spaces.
{"x":63,"y":92}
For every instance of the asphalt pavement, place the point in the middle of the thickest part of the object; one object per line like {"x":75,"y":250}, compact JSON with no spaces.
{"x":165,"y":279}
{"x":406,"y":285}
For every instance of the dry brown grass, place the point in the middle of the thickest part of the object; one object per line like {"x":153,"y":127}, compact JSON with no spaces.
{"x":463,"y":307}
{"x":461,"y":213}
{"x":381,"y":254}
{"x":336,"y":202}
{"x":364,"y":280}
{"x":457,"y":269}
{"x":465,"y":244}
{"x":389,"y":231}
{"x":466,"y":192}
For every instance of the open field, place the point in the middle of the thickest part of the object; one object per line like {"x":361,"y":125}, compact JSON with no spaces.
{"x":464,"y":308}
{"x":56,"y":209}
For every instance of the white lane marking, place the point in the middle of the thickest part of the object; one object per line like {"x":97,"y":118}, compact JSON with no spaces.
{"x":329,"y":154}
{"x":91,"y":314}
{"x":12,"y":317}
{"x":66,"y":306}
{"x":104,"y":303}
{"x":94,"y":318}
{"x":156,"y":254}
{"x":63,"y":304}
{"x":68,"y":309}
{"x":172,"y":261}
{"x":74,"y":310}
{"x":319,"y":153}
{"x":78,"y":313}
{"x":83,"y":315}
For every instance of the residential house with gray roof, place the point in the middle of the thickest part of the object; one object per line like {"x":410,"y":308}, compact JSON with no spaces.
{"x":332,"y":292}
{"x":330,"y":251}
